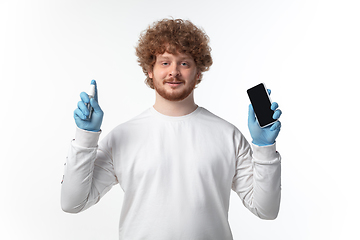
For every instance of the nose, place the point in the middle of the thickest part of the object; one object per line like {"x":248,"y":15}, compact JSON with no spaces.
{"x":174,"y":71}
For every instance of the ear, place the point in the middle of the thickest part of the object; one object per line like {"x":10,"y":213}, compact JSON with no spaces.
{"x":198,"y":75}
{"x":150,"y":73}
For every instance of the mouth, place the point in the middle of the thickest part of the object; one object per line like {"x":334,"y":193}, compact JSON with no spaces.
{"x":174,"y":83}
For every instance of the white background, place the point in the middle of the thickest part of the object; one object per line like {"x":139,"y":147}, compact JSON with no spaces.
{"x":307,"y":52}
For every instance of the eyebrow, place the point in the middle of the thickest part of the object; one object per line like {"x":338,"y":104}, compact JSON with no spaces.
{"x":167,"y":58}
{"x":161,"y":57}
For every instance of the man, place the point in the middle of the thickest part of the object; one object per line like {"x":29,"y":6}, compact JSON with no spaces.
{"x":176,"y":162}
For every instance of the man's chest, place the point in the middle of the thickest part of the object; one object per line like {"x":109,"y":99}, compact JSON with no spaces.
{"x":169,"y":158}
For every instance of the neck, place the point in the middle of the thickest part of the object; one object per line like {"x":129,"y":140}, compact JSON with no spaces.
{"x":172,"y":108}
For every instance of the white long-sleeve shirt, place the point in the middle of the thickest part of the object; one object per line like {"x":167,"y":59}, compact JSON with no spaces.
{"x":176,"y":173}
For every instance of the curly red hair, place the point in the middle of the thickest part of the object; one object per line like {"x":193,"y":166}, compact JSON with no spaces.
{"x":173,"y":36}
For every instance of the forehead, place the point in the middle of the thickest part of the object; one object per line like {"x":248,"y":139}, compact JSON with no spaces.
{"x":177,"y":56}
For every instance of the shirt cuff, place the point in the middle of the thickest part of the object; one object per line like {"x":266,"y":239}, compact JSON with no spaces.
{"x":86,"y":139}
{"x":265,"y":154}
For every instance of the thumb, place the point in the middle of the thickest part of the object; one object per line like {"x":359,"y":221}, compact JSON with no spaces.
{"x":95,"y":105}
{"x":251,"y":114}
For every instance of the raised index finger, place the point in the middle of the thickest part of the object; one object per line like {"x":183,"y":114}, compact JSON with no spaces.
{"x":93,"y":82}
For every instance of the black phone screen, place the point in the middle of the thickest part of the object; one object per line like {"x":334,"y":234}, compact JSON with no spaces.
{"x":261,"y":103}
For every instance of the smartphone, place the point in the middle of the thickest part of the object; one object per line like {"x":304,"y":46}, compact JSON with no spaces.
{"x":261,"y":102}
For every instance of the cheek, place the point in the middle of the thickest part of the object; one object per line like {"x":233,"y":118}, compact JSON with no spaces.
{"x":194,"y":75}
{"x":158,"y":73}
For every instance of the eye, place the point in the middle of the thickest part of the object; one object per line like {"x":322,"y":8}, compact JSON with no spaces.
{"x":184,"y":64}
{"x":164,"y":63}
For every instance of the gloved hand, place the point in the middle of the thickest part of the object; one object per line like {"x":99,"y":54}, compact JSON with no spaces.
{"x":81,"y":113}
{"x":267,"y":135}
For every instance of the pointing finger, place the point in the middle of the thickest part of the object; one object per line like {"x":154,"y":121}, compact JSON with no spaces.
{"x":93,"y":82}
{"x":274,"y":106}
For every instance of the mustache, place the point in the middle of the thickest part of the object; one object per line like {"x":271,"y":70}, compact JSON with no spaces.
{"x":172,"y":79}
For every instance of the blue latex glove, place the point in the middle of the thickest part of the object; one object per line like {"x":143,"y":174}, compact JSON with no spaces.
{"x":81,"y":112}
{"x":267,"y":135}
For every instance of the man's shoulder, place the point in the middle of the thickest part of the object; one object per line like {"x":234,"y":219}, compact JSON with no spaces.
{"x":215,"y":121}
{"x":134,"y":122}
{"x":214,"y":118}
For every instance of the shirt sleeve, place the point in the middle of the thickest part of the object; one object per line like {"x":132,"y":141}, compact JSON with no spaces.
{"x":89,"y":172}
{"x":257,"y":179}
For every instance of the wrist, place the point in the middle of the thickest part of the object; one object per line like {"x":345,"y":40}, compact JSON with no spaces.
{"x":265,"y":154}
{"x":85,"y":138}
{"x":261,"y":143}
{"x":95,"y":130}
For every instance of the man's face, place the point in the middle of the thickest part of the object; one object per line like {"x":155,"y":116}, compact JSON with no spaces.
{"x":174,"y":76}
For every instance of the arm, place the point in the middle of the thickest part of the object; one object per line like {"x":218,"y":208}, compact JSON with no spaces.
{"x":89,"y":172}
{"x":257,"y":180}
{"x":258,"y":170}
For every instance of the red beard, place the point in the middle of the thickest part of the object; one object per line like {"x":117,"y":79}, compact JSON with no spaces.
{"x":179,"y":92}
